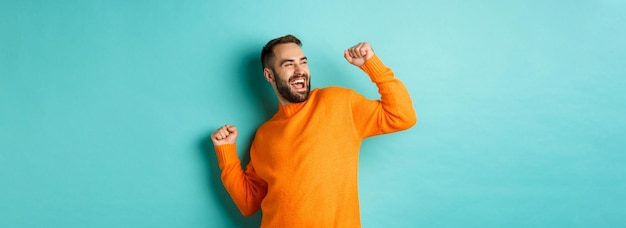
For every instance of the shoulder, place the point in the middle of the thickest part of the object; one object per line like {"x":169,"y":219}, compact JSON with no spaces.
{"x":335,"y":91}
{"x":337,"y":94}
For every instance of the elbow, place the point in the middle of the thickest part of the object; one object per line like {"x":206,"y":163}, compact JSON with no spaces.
{"x":412,"y":120}
{"x":247,"y":213}
{"x":250,"y":206}
{"x":403,"y":117}
{"x":403,"y":122}
{"x":409,"y":121}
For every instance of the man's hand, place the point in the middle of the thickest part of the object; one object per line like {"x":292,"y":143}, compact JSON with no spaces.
{"x":226,"y":134}
{"x":358,"y":54}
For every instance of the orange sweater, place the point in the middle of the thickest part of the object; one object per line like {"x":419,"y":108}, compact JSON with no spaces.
{"x":304,"y":160}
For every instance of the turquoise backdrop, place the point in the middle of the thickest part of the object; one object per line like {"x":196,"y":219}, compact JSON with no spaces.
{"x":106,"y":108}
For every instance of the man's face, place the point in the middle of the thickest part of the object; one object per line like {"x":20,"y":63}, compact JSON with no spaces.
{"x":291,"y":73}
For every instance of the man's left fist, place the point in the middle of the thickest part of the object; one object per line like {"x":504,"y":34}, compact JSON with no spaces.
{"x":358,"y":54}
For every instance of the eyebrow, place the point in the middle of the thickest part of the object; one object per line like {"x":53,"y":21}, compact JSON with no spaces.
{"x":292,"y":60}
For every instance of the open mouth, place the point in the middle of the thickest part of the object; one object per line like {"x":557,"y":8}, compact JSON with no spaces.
{"x":298,"y":84}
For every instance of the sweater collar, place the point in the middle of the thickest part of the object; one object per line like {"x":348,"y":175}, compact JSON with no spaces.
{"x":286,"y":111}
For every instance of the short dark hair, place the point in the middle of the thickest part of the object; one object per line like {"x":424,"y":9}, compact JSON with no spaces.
{"x":267,"y":54}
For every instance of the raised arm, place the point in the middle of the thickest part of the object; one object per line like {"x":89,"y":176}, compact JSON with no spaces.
{"x":245,"y":188}
{"x":394,"y":111}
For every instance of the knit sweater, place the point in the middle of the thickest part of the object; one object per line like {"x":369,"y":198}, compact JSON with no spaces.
{"x":303,"y":161}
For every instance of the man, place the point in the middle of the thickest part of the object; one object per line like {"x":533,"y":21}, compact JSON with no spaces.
{"x":303,"y":161}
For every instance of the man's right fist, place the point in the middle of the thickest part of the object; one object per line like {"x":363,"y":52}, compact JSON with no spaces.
{"x":226,"y":134}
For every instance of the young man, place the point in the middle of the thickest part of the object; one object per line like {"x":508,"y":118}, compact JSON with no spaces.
{"x":304,"y":160}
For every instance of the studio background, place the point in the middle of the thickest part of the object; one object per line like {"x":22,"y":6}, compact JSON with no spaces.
{"x":106,"y":108}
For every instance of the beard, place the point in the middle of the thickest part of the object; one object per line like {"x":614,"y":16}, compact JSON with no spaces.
{"x":284,"y":88}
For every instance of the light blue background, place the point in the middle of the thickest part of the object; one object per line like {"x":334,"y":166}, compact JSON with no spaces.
{"x":106,"y":108}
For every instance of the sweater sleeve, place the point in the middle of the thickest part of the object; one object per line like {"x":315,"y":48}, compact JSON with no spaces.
{"x":393,"y":112}
{"x":246,"y":188}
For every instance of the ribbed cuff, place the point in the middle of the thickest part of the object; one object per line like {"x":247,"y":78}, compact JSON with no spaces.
{"x":376,"y":69}
{"x":226,"y":154}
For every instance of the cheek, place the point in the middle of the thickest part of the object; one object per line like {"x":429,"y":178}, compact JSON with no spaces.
{"x":286,"y":74}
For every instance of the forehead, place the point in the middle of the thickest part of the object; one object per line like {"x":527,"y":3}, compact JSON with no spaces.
{"x":288,"y":51}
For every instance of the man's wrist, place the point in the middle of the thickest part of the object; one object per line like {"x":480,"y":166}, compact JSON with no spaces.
{"x":376,"y":69}
{"x":226,"y":154}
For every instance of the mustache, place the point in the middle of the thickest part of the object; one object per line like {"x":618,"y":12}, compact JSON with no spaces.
{"x":294,"y":77}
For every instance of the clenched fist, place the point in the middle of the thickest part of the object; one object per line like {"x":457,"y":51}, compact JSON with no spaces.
{"x":358,"y":54}
{"x":226,"y":134}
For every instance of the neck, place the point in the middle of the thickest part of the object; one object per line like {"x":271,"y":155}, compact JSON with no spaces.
{"x":282,"y":101}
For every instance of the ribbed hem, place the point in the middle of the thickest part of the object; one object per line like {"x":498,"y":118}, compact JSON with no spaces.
{"x":375,"y":69}
{"x":226,"y":154}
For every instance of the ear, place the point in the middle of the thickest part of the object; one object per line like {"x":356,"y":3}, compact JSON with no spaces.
{"x":269,"y":76}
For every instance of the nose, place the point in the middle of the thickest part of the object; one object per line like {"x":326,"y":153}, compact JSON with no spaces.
{"x":299,"y":69}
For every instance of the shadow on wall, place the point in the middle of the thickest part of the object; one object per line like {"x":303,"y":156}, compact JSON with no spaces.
{"x":266,"y":103}
{"x":219,"y":192}
{"x":259,"y":88}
